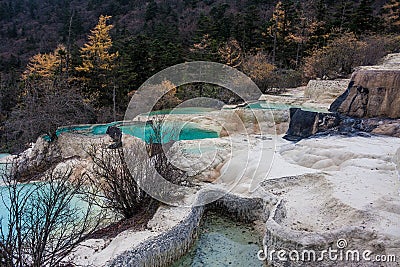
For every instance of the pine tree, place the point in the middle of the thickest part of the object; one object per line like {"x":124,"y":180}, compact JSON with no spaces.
{"x":46,"y":66}
{"x":277,"y":27}
{"x":363,"y":19}
{"x":96,"y":54}
{"x":283,"y":27}
{"x":98,"y":63}
{"x":231,"y":53}
{"x":342,"y":15}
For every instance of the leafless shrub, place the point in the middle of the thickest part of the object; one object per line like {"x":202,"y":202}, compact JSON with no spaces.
{"x":258,"y":68}
{"x":163,"y":136}
{"x":119,"y":187}
{"x":124,"y":175}
{"x":43,"y":108}
{"x":45,"y":220}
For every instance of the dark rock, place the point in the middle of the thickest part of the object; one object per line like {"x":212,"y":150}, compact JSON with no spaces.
{"x":116,"y":135}
{"x":363,"y":134}
{"x":115,"y":145}
{"x":327,"y":121}
{"x":338,"y":101}
{"x":304,"y":123}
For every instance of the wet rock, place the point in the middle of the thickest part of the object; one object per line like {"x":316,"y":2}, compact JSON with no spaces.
{"x":116,"y":134}
{"x":356,"y":126}
{"x":371,"y":93}
{"x":304,"y":123}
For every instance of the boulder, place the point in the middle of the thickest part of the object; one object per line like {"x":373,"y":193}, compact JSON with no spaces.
{"x":389,"y":127}
{"x":371,"y":93}
{"x":33,"y":161}
{"x":116,"y":134}
{"x":304,"y":123}
{"x":325,"y":90}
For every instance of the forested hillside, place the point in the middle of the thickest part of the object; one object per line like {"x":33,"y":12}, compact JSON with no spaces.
{"x":277,"y":43}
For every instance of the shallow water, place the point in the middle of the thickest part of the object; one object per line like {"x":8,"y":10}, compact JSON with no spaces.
{"x":77,"y":204}
{"x":187,"y":131}
{"x":223,"y":242}
{"x":34,"y":189}
{"x":3,"y":155}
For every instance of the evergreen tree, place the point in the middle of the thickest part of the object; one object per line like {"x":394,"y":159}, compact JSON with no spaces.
{"x":363,"y":19}
{"x":277,"y":28}
{"x":151,"y":10}
{"x":283,"y":27}
{"x":46,"y":66}
{"x":320,"y":26}
{"x":98,"y":62}
{"x":342,"y":16}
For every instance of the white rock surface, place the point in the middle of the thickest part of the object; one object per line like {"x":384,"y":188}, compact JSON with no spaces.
{"x":96,"y":252}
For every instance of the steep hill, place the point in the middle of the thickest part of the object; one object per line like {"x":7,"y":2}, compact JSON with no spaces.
{"x":32,"y":26}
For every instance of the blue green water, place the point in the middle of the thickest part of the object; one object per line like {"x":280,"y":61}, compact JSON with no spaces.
{"x":223,"y":242}
{"x":77,"y":204}
{"x":268,"y":106}
{"x":3,"y":155}
{"x":188,"y":131}
{"x":170,"y":131}
{"x":34,"y":193}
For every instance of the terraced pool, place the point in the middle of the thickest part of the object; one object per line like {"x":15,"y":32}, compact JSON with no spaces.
{"x":171,"y":131}
{"x":223,"y":242}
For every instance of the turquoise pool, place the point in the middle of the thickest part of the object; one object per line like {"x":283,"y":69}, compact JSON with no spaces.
{"x":171,"y":131}
{"x":187,"y":131}
{"x":32,"y":191}
{"x":3,"y":155}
